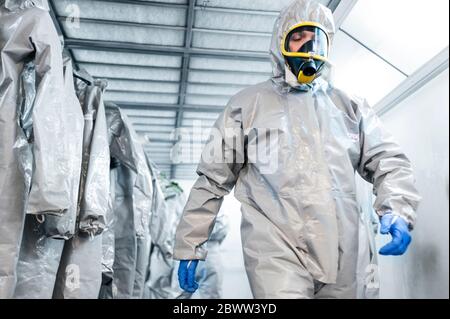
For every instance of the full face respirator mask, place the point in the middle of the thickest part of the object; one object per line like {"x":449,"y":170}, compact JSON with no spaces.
{"x":305,"y":48}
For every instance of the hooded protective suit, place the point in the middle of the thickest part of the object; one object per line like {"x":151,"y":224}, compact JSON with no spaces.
{"x":131,"y":201}
{"x":300,"y":218}
{"x":38,"y":164}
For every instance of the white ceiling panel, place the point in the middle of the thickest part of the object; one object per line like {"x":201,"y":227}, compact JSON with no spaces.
{"x":202,"y":123}
{"x":125,"y":12}
{"x":402,"y":37}
{"x":157,"y":136}
{"x":141,"y":97}
{"x":150,"y":113}
{"x":265,"y":5}
{"x":153,"y":128}
{"x":206,"y":100}
{"x":168,"y":1}
{"x":360,"y":72}
{"x":152,"y":121}
{"x":222,"y":41}
{"x":201,"y":63}
{"x":127,"y":58}
{"x":140,"y":86}
{"x":214,"y":20}
{"x":213,"y":89}
{"x":226,"y":78}
{"x":126,"y":34}
{"x":201,"y":115}
{"x":129,"y":72}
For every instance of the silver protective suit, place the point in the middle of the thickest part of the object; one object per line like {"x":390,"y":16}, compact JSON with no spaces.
{"x":37,"y":161}
{"x":162,"y":282}
{"x":131,"y":201}
{"x":80,"y":273}
{"x":300,"y":223}
{"x":368,"y":283}
{"x":42,"y":246}
{"x":209,"y":274}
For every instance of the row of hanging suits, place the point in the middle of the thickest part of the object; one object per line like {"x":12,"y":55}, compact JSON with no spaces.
{"x":84,"y":211}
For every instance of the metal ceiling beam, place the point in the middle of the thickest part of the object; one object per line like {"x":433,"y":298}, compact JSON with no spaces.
{"x":167,"y":94}
{"x":268,"y":74}
{"x":167,"y":27}
{"x":185,"y":70}
{"x":138,"y":80}
{"x":415,"y":82}
{"x":127,"y":47}
{"x":333,"y":5}
{"x":172,"y":94}
{"x":341,"y":9}
{"x":161,"y":141}
{"x":130,"y":65}
{"x":151,"y":3}
{"x":215,"y":84}
{"x":153,"y":125}
{"x":143,"y":117}
{"x":127,"y":23}
{"x":168,"y":107}
{"x":236,"y":11}
{"x":374,"y":52}
{"x":234,"y":32}
{"x":197,"y":7}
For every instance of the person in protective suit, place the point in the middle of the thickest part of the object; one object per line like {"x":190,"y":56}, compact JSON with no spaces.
{"x":299,"y":208}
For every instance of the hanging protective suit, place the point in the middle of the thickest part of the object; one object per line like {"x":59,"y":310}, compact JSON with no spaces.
{"x":158,"y":231}
{"x":42,"y":246}
{"x":131,"y":204}
{"x":38,"y":163}
{"x":161,"y":283}
{"x":107,"y":290}
{"x":300,"y":217}
{"x":79,"y":274}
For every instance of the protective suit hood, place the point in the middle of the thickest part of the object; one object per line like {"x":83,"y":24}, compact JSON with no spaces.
{"x":297,"y":12}
{"x":14,"y":5}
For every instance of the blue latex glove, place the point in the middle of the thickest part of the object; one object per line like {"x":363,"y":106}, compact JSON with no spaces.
{"x":186,"y":275}
{"x":401,"y":238}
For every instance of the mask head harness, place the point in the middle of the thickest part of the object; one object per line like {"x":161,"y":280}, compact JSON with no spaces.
{"x":305,"y":48}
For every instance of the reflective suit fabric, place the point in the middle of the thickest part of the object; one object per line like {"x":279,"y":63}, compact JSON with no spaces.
{"x":162,"y":282}
{"x":210,"y":272}
{"x":162,"y":215}
{"x":94,"y":190}
{"x":131,"y":205}
{"x":124,"y":234}
{"x":300,"y":220}
{"x":367,"y":269}
{"x":27,"y":33}
{"x":79,"y":274}
{"x":40,"y":253}
{"x":63,"y":227}
{"x":158,"y":232}
{"x":38,"y":262}
{"x":160,"y":245}
{"x":107,"y":290}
